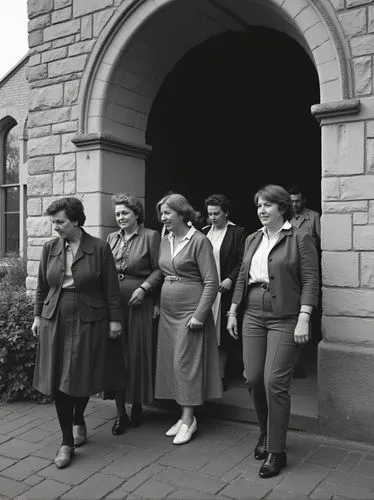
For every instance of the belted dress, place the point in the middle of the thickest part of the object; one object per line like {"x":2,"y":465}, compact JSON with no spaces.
{"x":187,"y":360}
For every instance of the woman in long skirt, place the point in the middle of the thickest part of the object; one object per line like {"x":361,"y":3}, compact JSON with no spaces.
{"x":187,"y":353}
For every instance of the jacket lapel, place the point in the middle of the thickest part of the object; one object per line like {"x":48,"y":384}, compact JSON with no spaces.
{"x":58,"y":251}
{"x":85,"y":246}
{"x":226,"y":245}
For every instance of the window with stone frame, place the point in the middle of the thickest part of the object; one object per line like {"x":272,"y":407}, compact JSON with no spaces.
{"x":10,"y":190}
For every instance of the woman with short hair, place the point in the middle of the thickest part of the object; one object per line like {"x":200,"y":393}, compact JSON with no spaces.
{"x":135,"y":249}
{"x":227,"y":240}
{"x":187,"y":353}
{"x":277,"y":288}
{"x":77,"y":316}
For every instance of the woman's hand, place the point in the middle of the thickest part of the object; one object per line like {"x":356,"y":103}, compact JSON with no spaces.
{"x":301,"y":333}
{"x":225,"y":286}
{"x":232,"y":326}
{"x":194,"y":324}
{"x":35,"y":328}
{"x":114,"y":329}
{"x":137,"y":297}
{"x":156,"y":311}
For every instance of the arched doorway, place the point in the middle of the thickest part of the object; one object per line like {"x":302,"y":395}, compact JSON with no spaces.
{"x":232,"y":115}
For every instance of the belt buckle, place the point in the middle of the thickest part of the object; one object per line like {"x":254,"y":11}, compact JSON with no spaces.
{"x":121,"y":276}
{"x":265,"y":287}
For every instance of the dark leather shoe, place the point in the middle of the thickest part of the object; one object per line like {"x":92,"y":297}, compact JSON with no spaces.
{"x":120,"y":425}
{"x":261,"y":451}
{"x":136,"y":417}
{"x":272,"y":466}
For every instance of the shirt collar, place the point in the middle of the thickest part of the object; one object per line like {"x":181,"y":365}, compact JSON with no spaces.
{"x":121,"y":233}
{"x":286,"y":225}
{"x":188,"y":236}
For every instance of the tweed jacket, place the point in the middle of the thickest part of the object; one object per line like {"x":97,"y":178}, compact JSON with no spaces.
{"x":94,"y":274}
{"x":293,"y":271}
{"x":143,"y":257}
{"x":308,"y":221}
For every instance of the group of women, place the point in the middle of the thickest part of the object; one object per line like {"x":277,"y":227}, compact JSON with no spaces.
{"x":96,"y":303}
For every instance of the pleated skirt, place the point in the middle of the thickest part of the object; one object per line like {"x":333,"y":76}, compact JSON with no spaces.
{"x":74,"y":356}
{"x":187,"y":367}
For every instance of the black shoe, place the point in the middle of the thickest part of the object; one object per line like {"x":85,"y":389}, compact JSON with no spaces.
{"x":136,"y":418}
{"x":120,"y":425}
{"x":272,"y":466}
{"x":261,"y":451}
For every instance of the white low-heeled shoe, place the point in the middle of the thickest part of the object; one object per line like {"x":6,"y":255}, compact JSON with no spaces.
{"x":185,"y":433}
{"x":79,"y":435}
{"x":173,"y":431}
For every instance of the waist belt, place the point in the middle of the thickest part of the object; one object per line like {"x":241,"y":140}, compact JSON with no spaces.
{"x":264,"y":286}
{"x":172,"y":279}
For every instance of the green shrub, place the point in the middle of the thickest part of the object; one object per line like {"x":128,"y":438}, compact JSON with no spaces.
{"x":17,"y":344}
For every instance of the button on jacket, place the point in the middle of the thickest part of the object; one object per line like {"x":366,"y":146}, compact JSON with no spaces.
{"x":293,"y":271}
{"x":94,"y":274}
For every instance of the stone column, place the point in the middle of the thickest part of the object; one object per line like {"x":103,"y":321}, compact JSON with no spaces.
{"x":346,"y":353}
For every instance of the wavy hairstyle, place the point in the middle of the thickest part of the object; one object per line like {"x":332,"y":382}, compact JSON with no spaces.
{"x":130,"y":202}
{"x":276,"y":194}
{"x":218,"y":200}
{"x":180,"y":204}
{"x":72,"y":207}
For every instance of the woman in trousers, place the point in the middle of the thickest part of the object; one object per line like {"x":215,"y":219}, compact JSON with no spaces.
{"x":277,"y":288}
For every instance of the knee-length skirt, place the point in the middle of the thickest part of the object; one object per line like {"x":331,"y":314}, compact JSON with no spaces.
{"x":187,"y":367}
{"x":74,"y":356}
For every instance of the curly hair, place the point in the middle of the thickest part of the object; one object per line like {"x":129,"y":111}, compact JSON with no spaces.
{"x":130,"y":202}
{"x":72,"y":207}
{"x":218,"y":200}
{"x":180,"y":204}
{"x":276,"y":194}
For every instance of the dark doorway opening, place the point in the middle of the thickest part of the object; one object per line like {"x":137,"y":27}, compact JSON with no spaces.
{"x":233,"y":115}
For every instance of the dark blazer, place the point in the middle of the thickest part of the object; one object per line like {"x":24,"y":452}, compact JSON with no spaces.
{"x":293,"y":271}
{"x":94,"y":274}
{"x":308,"y":221}
{"x":231,"y":252}
{"x":143,"y":258}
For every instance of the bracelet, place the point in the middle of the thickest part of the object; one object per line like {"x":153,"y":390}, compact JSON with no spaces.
{"x":305,"y":312}
{"x":144,"y":289}
{"x":229,"y":313}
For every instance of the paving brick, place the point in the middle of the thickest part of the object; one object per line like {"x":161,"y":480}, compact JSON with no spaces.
{"x":350,"y":485}
{"x":185,"y":479}
{"x":34,"y":435}
{"x":328,"y":456}
{"x":185,"y":494}
{"x":96,"y":486}
{"x":225,"y":462}
{"x":320,"y":494}
{"x":278,"y":494}
{"x":303,"y":479}
{"x":3,"y":438}
{"x":47,"y":489}
{"x":10,"y":488}
{"x":16,"y":448}
{"x":191,"y":463}
{"x":25,"y":467}
{"x":33,"y":480}
{"x":351,"y":460}
{"x":70,"y":475}
{"x":17,"y":423}
{"x":133,"y":462}
{"x":6,"y":462}
{"x":154,"y":489}
{"x":243,"y":489}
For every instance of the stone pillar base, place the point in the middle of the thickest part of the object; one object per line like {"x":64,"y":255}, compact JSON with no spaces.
{"x":346,"y":390}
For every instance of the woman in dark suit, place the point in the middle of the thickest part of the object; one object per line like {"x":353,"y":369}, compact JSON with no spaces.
{"x":135,"y":250}
{"x":77,"y":311}
{"x":228,"y":245}
{"x":277,"y":287}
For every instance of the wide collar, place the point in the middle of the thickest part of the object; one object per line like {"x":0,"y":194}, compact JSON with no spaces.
{"x":86,"y":246}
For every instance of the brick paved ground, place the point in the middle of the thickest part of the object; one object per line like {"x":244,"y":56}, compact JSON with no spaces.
{"x":143,"y":463}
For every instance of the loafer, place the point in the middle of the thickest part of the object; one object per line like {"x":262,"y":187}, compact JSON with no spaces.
{"x":79,"y":435}
{"x":261,"y":447}
{"x":272,"y":466}
{"x":173,"y":431}
{"x":64,"y":456}
{"x":120,"y":425}
{"x":185,"y":433}
{"x":136,"y":417}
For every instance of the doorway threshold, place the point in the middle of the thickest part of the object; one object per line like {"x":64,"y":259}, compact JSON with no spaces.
{"x":236,"y":404}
